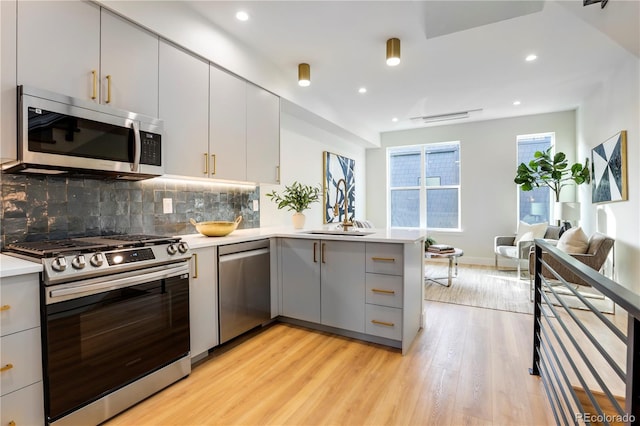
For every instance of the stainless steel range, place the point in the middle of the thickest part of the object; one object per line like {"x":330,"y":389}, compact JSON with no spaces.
{"x":115,"y":321}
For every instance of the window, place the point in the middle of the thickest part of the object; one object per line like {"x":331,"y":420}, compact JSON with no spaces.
{"x":424,"y":186}
{"x":534,"y":206}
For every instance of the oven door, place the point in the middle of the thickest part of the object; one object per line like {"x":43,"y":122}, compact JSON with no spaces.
{"x":100,"y":342}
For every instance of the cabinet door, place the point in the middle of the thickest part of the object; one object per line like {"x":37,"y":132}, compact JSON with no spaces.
{"x":184,"y":107}
{"x":23,"y":407}
{"x":203,"y":301}
{"x":129,"y":55}
{"x":300,"y":261}
{"x":8,"y":91}
{"x":263,"y":135}
{"x":343,"y":284}
{"x":59,"y":46}
{"x":19,"y":296}
{"x":227,"y":121}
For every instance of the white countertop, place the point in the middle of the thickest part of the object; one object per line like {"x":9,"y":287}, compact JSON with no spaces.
{"x":11,"y":266}
{"x":402,"y":236}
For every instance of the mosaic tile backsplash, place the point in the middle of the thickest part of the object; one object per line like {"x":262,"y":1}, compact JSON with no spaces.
{"x":45,"y":207}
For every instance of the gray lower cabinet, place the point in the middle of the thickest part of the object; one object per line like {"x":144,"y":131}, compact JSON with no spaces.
{"x":300,"y":277}
{"x":342,"y":285}
{"x":323,"y":282}
{"x":203,"y":301}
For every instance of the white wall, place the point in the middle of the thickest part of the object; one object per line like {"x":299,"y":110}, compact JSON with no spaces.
{"x":488,"y":159}
{"x":301,"y":149}
{"x":615,"y":106}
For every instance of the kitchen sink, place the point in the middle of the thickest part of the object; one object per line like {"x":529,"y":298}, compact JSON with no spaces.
{"x":339,"y":232}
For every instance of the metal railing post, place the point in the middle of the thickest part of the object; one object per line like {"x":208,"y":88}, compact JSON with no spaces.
{"x":535,"y":367}
{"x":632,"y":400}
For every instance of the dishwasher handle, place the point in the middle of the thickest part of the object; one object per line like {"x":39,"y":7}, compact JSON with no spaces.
{"x":242,"y":255}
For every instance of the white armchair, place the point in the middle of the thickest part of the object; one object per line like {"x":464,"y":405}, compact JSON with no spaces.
{"x":517,"y":247}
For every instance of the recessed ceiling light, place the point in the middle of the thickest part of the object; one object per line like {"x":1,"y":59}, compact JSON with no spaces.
{"x":531,"y":57}
{"x":516,"y":103}
{"x":394,"y":119}
{"x":242,"y":16}
{"x":362,"y":90}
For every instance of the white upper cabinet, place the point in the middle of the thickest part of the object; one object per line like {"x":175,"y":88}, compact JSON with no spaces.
{"x":227,"y":126}
{"x":184,"y":107}
{"x":129,"y":66}
{"x":263,"y":135}
{"x":76,"y":49}
{"x":59,"y":46}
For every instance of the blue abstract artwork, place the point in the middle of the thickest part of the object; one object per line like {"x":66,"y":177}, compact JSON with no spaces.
{"x":336,"y":169}
{"x":609,"y":170}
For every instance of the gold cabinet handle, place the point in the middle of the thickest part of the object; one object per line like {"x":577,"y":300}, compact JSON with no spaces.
{"x":108,"y":89}
{"x":5,"y":308}
{"x":277,"y":174}
{"x":322,"y":246}
{"x":379,"y":290}
{"x":213,"y":172}
{"x":387,"y":324}
{"x":206,"y":164}
{"x":383,"y":259}
{"x":315,"y":258}
{"x":95,"y":84}
{"x":195,"y":264}
{"x":6,"y":368}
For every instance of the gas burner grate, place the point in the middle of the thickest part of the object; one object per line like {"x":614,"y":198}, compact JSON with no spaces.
{"x":49,"y":248}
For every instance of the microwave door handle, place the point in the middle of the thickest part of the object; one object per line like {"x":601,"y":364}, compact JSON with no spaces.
{"x":137,"y":147}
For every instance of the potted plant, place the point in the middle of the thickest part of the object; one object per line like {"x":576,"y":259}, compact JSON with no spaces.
{"x":553,"y":172}
{"x":296,"y":197}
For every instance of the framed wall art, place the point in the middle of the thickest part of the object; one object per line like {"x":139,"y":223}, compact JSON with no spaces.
{"x":609,"y":170}
{"x":336,"y":169}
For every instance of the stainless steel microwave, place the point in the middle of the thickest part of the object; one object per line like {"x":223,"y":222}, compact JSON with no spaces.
{"x":58,"y":134}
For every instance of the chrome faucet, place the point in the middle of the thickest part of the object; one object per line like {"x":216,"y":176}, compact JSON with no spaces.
{"x":336,"y":210}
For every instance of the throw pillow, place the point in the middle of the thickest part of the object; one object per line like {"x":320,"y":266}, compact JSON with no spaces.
{"x":537,"y":229}
{"x":574,"y":240}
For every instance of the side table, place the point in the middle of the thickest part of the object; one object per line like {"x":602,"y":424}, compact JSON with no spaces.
{"x":453,"y":263}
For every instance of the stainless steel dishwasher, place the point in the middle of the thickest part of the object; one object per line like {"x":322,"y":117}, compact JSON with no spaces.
{"x":244,"y":294}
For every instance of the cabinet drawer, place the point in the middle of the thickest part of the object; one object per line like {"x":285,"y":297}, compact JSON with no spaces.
{"x":384,"y":258}
{"x":384,"y":321}
{"x":385,"y":290}
{"x":23,"y":407}
{"x":21,"y":359}
{"x":20,"y":303}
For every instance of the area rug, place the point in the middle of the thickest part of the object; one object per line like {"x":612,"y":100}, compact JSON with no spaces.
{"x":479,"y":286}
{"x":486,"y":287}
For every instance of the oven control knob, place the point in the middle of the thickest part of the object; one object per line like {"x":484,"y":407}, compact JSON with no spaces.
{"x":97,"y":260}
{"x":78,"y":262}
{"x":171,"y":249}
{"x":59,"y":264}
{"x":183,"y":247}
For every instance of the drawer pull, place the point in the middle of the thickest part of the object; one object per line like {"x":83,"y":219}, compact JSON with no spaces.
{"x":195,"y":263}
{"x":6,"y":368}
{"x":379,"y":290}
{"x":5,"y":308}
{"x":388,"y":324}
{"x":12,"y":423}
{"x":384,"y":259}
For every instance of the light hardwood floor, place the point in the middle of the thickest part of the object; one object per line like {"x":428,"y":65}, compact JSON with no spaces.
{"x":468,"y":366}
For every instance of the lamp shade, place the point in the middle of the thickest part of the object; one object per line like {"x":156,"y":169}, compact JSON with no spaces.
{"x":567,"y":211}
{"x":304,"y":75}
{"x":393,"y":52}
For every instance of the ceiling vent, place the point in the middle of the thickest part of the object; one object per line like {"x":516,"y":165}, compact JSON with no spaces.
{"x":446,"y":117}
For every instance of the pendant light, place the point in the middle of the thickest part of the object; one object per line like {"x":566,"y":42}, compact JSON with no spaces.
{"x":304,"y":75}
{"x":393,"y":52}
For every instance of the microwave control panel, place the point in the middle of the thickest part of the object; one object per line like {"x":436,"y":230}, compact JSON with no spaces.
{"x":151,"y":152}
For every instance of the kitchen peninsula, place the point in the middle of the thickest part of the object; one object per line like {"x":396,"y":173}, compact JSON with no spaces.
{"x":365,"y":284}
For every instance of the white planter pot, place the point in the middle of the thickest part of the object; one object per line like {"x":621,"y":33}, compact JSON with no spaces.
{"x":298,"y":220}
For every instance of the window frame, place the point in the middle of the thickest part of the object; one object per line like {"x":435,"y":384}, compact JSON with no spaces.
{"x":552,"y":144}
{"x":422,"y":187}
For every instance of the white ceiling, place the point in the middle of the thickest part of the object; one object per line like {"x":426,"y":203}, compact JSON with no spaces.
{"x":456,"y":55}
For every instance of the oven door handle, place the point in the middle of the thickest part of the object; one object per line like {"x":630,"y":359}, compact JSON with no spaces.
{"x":101,"y":285}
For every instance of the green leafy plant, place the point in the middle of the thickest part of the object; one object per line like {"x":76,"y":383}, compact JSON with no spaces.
{"x":554,"y":172}
{"x":428,"y":242}
{"x":296,"y":197}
